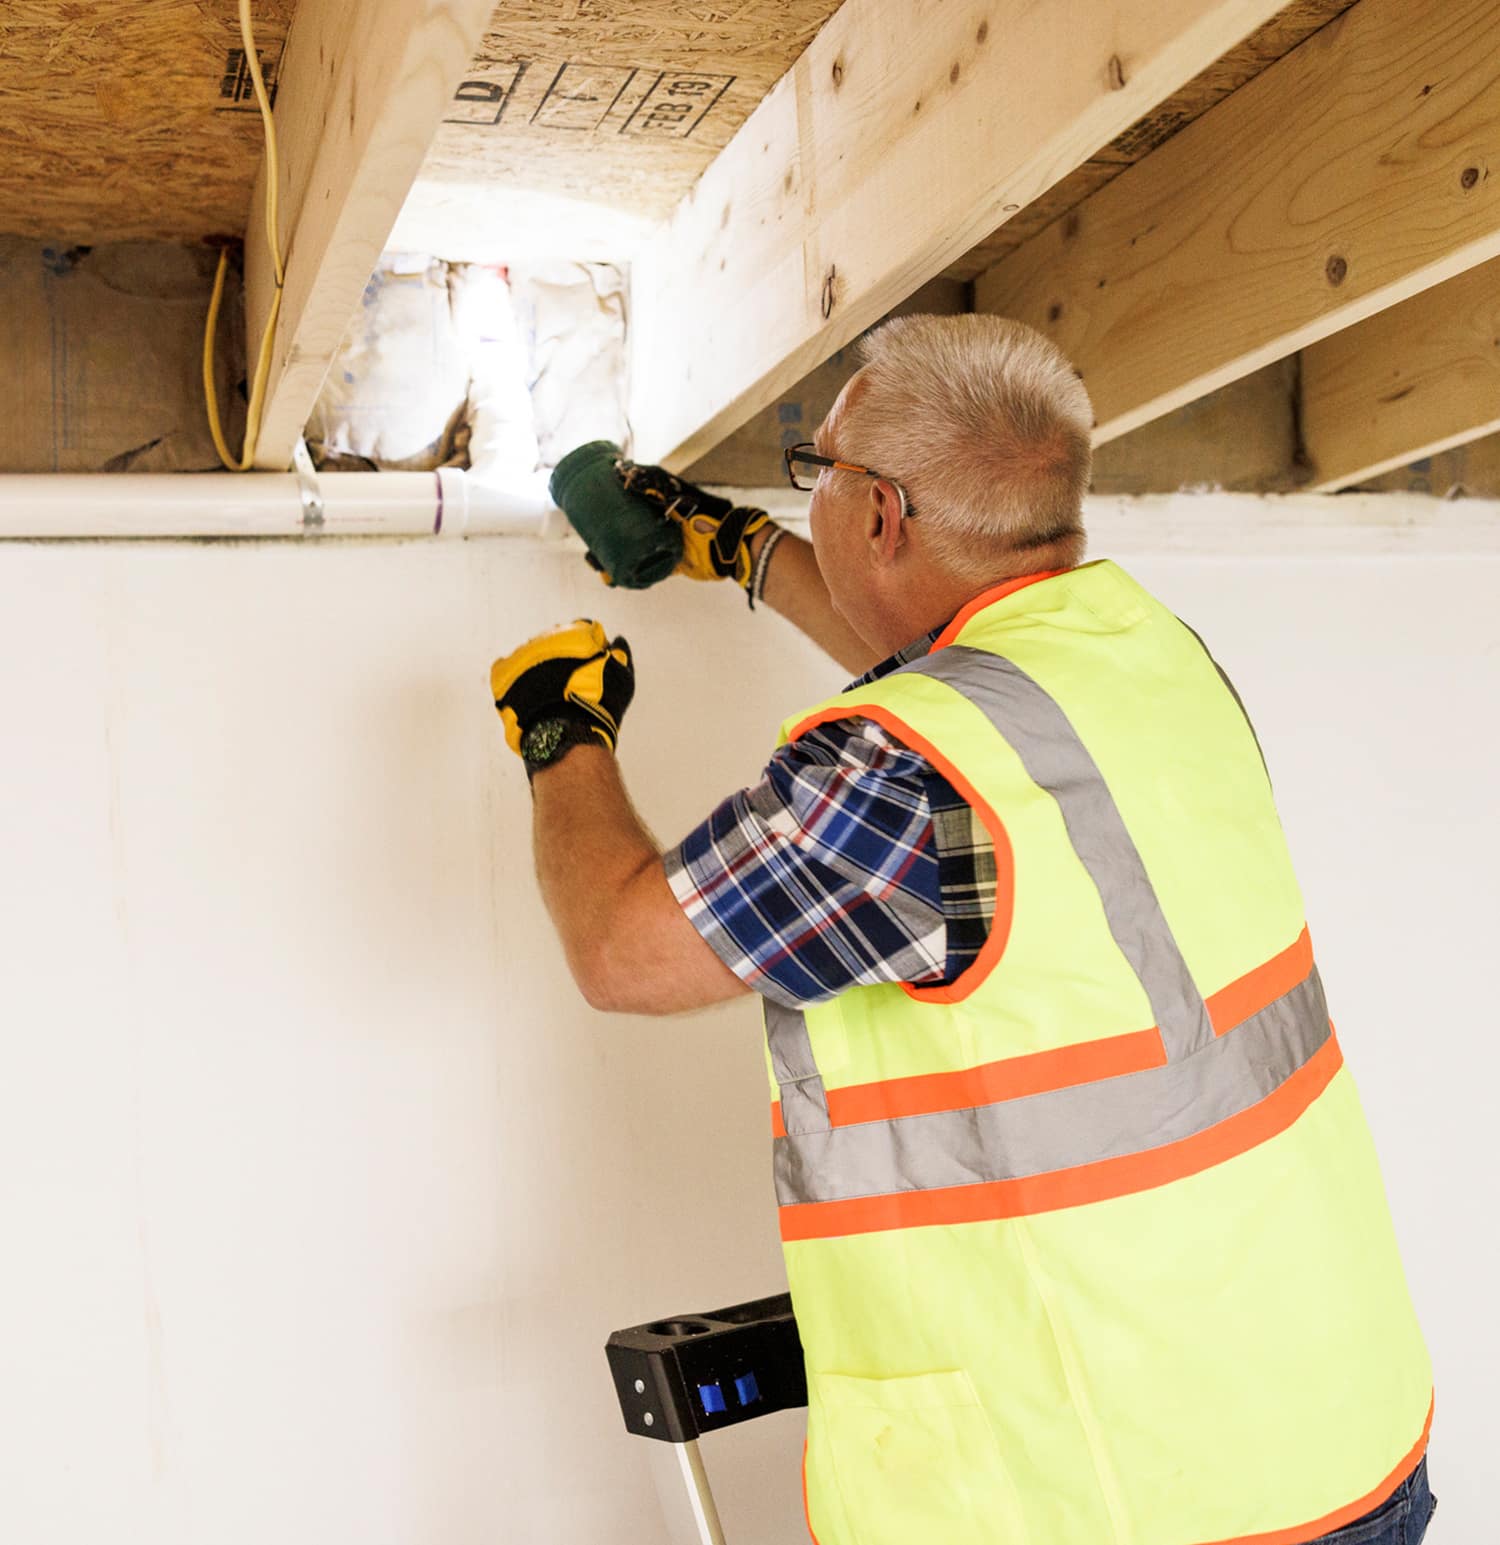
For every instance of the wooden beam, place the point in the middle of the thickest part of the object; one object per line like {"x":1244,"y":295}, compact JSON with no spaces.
{"x":358,"y":102}
{"x":752,"y":454}
{"x":1359,"y":170}
{"x":902,"y":136}
{"x":1420,"y":378}
{"x":1290,"y":26}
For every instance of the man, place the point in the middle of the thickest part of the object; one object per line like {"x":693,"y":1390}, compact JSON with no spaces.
{"x":1083,"y":1226}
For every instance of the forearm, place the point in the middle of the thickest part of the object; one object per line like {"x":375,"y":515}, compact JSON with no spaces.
{"x":794,"y":587}
{"x":589,"y":845}
{"x":629,"y":946}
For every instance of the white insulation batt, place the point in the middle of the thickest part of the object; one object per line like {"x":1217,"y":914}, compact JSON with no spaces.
{"x":464,"y":364}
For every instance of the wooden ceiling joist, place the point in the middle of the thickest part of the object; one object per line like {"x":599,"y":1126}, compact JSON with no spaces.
{"x":356,"y":109}
{"x":1419,"y":378}
{"x":901,"y":138}
{"x":1291,"y":25}
{"x":1351,"y":175}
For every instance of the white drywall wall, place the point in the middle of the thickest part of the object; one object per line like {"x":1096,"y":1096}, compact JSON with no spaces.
{"x":320,"y":1189}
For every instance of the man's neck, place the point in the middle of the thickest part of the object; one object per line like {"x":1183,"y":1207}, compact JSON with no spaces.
{"x":946,"y":597}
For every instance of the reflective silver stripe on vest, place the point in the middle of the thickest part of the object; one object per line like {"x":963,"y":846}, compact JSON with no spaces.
{"x":1041,"y":1133}
{"x":1055,"y":759}
{"x":804,"y":1104}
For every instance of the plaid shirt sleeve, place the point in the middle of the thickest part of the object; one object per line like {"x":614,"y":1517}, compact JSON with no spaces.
{"x":825,"y":875}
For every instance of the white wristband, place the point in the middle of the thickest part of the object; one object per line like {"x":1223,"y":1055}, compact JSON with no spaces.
{"x":757,"y":584}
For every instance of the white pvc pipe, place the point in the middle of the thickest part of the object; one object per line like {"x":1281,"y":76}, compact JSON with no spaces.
{"x":452,"y":503}
{"x":446,"y":503}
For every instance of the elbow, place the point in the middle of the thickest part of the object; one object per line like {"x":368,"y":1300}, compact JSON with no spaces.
{"x":623,"y":960}
{"x":598,"y":992}
{"x":601,"y":975}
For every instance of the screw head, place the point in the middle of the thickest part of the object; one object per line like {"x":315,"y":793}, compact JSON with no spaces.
{"x":650,"y":1419}
{"x":640,"y":1386}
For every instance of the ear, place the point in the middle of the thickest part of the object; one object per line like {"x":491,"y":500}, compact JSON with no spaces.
{"x":885,"y":522}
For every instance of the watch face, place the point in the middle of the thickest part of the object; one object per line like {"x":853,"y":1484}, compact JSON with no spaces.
{"x":540,"y":742}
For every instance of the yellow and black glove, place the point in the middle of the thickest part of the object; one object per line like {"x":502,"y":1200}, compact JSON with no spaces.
{"x":715,"y":533}
{"x":564,"y":688}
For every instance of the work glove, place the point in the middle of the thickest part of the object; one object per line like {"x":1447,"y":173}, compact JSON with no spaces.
{"x":574,"y":673}
{"x":715,"y":533}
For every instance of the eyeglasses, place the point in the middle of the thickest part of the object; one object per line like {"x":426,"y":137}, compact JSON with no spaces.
{"x":803,"y":465}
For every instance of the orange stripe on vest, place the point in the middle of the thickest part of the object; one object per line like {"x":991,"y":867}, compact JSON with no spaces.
{"x":1040,"y":1072}
{"x":1076,"y":1187}
{"x":1302,"y":1534}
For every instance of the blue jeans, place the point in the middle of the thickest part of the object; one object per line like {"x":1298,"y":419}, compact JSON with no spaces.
{"x":1400,"y":1520}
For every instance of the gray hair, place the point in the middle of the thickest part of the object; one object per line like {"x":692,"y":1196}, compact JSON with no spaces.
{"x":987,"y":426}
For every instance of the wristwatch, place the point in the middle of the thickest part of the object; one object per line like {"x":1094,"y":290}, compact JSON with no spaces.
{"x":549,"y":741}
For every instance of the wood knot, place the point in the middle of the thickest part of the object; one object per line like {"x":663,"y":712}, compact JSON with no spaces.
{"x":1116,"y":73}
{"x":829,"y":293}
{"x":1469,"y":179}
{"x":954,"y":73}
{"x":838,"y":73}
{"x":983,"y":33}
{"x":1337,"y":270}
{"x":1054,"y":311}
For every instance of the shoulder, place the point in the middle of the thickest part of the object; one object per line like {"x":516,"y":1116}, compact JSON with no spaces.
{"x":852,"y":742}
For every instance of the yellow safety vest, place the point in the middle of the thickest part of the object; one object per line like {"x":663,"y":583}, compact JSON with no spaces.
{"x":1090,"y":1247}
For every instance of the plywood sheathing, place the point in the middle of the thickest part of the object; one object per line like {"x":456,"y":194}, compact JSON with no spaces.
{"x":1261,"y":49}
{"x":121,"y":119}
{"x":127,"y":120}
{"x":617,"y":103}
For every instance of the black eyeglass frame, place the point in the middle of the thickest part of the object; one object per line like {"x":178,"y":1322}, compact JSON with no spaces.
{"x":807,"y":452}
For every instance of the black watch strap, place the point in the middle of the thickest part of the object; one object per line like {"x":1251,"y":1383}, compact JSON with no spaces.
{"x":548,"y":741}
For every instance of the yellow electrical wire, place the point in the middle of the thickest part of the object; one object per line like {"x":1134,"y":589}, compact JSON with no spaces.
{"x":273,"y":240}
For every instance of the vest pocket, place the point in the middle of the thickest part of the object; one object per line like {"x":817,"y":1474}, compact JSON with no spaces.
{"x":916,"y":1459}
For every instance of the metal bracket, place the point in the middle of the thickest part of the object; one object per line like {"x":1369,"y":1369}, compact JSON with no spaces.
{"x":307,"y":486}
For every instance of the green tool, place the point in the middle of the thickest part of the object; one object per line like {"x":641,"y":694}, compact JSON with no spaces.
{"x":629,"y":540}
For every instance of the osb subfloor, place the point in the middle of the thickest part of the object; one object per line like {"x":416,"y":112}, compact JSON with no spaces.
{"x":621,"y":104}
{"x":120,"y":119}
{"x":129,"y":118}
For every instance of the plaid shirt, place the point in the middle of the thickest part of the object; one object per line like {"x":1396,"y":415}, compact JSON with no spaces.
{"x":852,"y":861}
